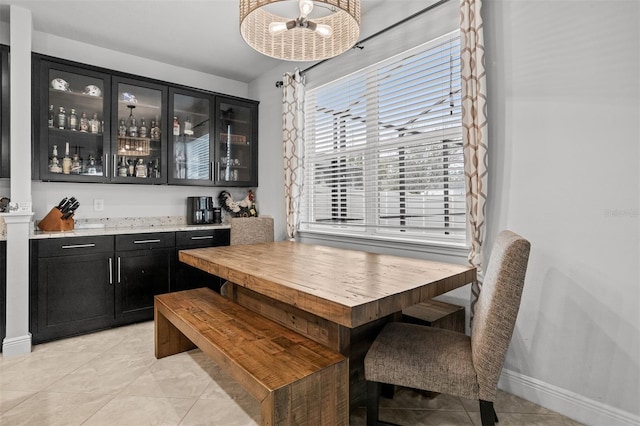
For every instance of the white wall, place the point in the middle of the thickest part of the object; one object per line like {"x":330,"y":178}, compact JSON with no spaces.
{"x":270,"y":194}
{"x":563,"y":109}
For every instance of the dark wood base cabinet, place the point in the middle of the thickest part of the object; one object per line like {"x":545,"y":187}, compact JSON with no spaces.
{"x":84,"y":284}
{"x":3,"y":291}
{"x":74,"y":288}
{"x":144,"y":269}
{"x":187,"y":277}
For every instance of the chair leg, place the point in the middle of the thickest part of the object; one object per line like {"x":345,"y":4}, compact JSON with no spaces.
{"x":373,"y":390}
{"x":373,"y":396}
{"x":488,"y":415}
{"x":387,"y":391}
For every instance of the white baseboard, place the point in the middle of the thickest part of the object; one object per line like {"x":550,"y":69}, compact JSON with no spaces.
{"x":13,"y":346}
{"x":567,"y":403}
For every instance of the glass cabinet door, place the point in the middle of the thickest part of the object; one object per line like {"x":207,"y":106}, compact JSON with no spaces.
{"x":138,"y":145}
{"x":4,"y":112}
{"x":190,"y":150}
{"x":74,"y":123}
{"x":236,"y":148}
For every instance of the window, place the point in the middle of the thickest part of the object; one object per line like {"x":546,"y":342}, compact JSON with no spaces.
{"x":383,"y":149}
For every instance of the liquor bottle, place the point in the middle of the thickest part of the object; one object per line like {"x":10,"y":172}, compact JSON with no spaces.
{"x":123,"y":167}
{"x":62,"y":118}
{"x":91,"y":168}
{"x":122,"y":128}
{"x":156,"y":168}
{"x":131,"y":168}
{"x":94,"y":124}
{"x":141,"y":169}
{"x":142,"y":131}
{"x":155,"y":130}
{"x":52,"y":116}
{"x":176,"y":127}
{"x":181,"y":163}
{"x":54,"y":165}
{"x":188,"y":127}
{"x":133,"y":128}
{"x":76,"y":166}
{"x":73,"y":120}
{"x":66,"y":160}
{"x":84,"y":123}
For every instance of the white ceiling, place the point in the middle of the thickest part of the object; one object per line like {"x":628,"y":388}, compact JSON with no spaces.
{"x":197,"y":34}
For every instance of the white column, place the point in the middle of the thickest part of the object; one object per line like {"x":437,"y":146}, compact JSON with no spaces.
{"x":18,"y":220}
{"x":18,"y":338}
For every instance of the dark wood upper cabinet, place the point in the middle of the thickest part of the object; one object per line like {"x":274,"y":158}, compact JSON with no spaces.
{"x":148,"y":131}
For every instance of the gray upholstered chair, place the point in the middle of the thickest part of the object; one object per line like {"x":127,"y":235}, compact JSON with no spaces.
{"x":444,"y":361}
{"x":249,"y":230}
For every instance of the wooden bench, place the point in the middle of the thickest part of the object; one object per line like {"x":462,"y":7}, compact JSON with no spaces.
{"x":437,"y":314}
{"x":296,"y":380}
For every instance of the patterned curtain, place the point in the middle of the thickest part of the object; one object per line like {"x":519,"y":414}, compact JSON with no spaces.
{"x":474,"y":125}
{"x":293,"y":140}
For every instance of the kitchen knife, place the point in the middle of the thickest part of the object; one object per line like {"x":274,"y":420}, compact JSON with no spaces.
{"x":61,"y":204}
{"x":74,"y":207}
{"x":65,"y":206}
{"x":71,"y":210}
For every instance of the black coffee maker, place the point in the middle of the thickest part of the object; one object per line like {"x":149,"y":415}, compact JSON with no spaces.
{"x":200,"y":210}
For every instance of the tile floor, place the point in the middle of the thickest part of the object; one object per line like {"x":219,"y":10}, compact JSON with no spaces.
{"x":112,"y":378}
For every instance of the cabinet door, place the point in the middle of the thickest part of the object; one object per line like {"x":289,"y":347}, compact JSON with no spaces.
{"x":190,"y":143}
{"x":236,"y":142}
{"x":186,"y":276}
{"x":75,"y":295}
{"x":139,"y":147}
{"x":72,"y":123}
{"x":4,"y":113}
{"x":141,"y":275}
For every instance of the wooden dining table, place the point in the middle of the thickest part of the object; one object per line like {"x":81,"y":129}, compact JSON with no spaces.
{"x":338,"y":297}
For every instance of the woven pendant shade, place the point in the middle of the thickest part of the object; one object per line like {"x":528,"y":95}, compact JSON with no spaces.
{"x":300,"y":44}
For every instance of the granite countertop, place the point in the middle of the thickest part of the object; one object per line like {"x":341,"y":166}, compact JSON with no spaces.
{"x":115,"y":226}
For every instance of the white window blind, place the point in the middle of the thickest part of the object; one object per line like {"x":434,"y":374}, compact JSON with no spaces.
{"x":383,"y":149}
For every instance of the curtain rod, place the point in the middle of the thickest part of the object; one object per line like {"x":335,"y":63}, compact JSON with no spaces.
{"x":358,"y":45}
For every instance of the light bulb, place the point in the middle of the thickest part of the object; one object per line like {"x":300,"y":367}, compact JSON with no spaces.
{"x":277,"y":27}
{"x":324,"y":30}
{"x":306,"y":6}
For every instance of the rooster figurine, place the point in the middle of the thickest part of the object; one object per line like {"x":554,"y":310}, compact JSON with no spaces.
{"x":243,"y":208}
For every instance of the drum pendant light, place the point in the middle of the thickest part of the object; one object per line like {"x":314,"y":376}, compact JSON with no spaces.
{"x":322,"y":28}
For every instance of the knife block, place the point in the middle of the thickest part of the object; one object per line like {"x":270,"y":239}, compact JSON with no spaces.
{"x":53,"y":222}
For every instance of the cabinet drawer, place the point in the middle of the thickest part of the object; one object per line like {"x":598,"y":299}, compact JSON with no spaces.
{"x":150,"y":241}
{"x":74,"y":246}
{"x":202,"y":238}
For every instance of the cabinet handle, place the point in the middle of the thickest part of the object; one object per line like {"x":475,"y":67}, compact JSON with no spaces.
{"x":118,"y":269}
{"x":110,"y":270}
{"x":215,"y":171}
{"x":212,"y":167}
{"x":204,"y":237}
{"x":79,"y":246}
{"x":145,"y":241}
{"x":115,"y":172}
{"x":106,"y":165}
